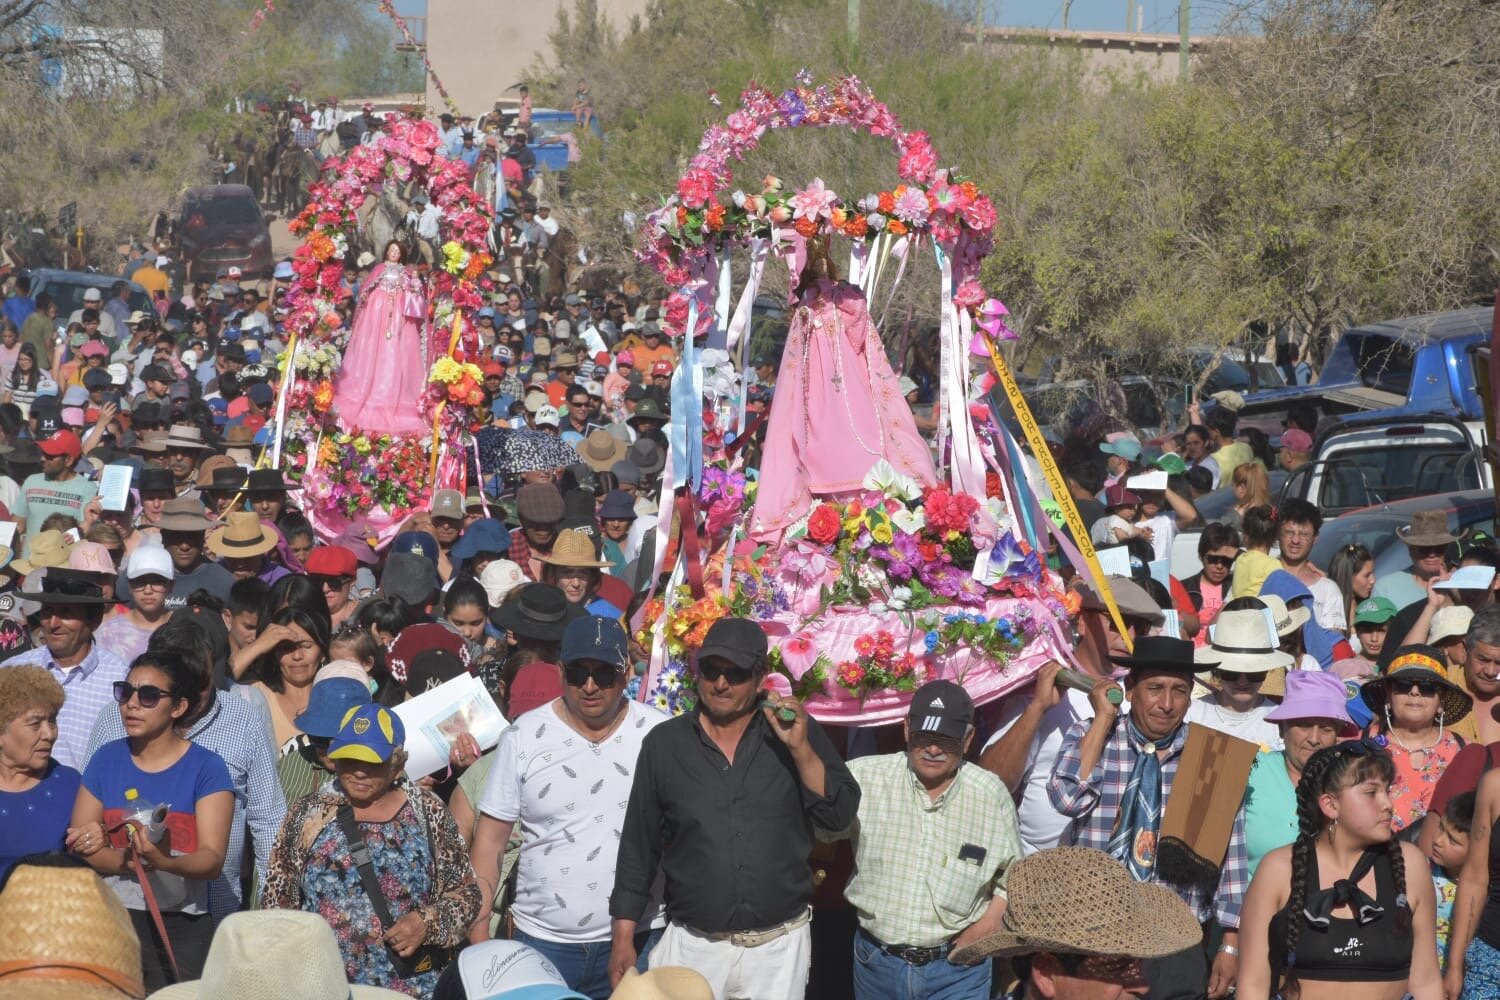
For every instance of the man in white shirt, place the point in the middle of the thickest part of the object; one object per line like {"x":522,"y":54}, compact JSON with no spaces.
{"x":563,"y":772}
{"x":1025,"y":748}
{"x":1297,"y":526}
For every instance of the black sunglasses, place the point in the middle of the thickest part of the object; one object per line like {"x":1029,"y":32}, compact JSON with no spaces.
{"x":1230,"y":675}
{"x":329,"y":581}
{"x":149,"y":695}
{"x":734,"y":675}
{"x":1426,"y":689}
{"x":1224,"y":561}
{"x":604,"y":675}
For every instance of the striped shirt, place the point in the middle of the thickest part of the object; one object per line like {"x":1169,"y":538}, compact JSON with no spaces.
{"x":925,"y":869}
{"x":87,"y":697}
{"x":240,"y":732}
{"x":1093,"y":800}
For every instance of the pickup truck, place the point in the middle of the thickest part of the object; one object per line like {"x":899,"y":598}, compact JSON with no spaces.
{"x":1395,"y":370}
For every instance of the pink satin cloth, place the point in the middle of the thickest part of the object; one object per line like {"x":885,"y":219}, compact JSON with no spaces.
{"x":379,"y":385}
{"x":838,"y":410}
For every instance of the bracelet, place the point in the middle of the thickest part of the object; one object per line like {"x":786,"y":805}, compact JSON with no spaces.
{"x":1229,"y":950}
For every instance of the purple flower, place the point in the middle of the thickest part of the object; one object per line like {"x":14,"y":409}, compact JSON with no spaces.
{"x":902,"y":557}
{"x":971,"y":591}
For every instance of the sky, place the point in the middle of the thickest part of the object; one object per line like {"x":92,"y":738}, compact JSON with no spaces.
{"x":1158,"y":16}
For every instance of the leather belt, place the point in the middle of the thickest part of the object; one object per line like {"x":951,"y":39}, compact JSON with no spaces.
{"x":754,"y":939}
{"x":910,"y":954}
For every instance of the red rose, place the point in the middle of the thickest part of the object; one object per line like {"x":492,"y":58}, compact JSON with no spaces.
{"x":824,"y":524}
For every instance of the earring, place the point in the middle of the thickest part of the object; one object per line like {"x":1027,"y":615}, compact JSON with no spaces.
{"x":1389,"y":725}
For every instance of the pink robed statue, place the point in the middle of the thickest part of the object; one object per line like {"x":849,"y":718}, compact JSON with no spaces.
{"x":383,"y":376}
{"x":838,"y":408}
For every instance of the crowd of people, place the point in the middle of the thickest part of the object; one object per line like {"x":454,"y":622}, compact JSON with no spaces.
{"x":206,"y":780}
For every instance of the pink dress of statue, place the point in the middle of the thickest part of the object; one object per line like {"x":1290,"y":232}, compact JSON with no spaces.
{"x":838,"y":410}
{"x":383,"y":376}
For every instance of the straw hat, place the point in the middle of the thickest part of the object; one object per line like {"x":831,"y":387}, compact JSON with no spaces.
{"x":667,"y":982}
{"x":573,"y":548}
{"x":76,"y":941}
{"x":1079,"y":901}
{"x":1243,"y":642}
{"x":1428,"y":527}
{"x":48,"y":548}
{"x":601,"y":450}
{"x":1419,"y":664}
{"x":242,"y":535}
{"x":273,"y":955}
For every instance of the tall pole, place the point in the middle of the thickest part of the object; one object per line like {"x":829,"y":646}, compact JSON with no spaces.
{"x":1129,"y":15}
{"x":854,"y":21}
{"x":1066,"y":4}
{"x":1184,"y":41}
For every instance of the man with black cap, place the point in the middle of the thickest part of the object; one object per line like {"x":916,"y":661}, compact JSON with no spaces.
{"x":568,"y":794}
{"x":1114,"y":776}
{"x":72,"y":608}
{"x":724,"y":803}
{"x":953,"y":825}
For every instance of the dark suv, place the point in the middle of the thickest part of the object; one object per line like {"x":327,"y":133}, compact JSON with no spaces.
{"x":222,"y":226}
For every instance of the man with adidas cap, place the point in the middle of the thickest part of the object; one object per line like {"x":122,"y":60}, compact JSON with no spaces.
{"x":953,"y":825}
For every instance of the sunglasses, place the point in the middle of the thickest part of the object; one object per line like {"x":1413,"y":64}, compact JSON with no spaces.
{"x":330,"y":582}
{"x":1222,"y":561}
{"x":603,"y":674}
{"x":1427,"y":689}
{"x":711,"y":672}
{"x":149,"y":695}
{"x":946,"y":744}
{"x":1224,"y":676}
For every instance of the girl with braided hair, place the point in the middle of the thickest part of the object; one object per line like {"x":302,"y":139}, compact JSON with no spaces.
{"x":1333,"y":915}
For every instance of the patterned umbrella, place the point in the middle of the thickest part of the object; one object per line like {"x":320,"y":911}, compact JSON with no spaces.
{"x":510,"y":452}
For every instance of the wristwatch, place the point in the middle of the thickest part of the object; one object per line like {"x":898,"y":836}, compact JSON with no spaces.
{"x":1229,"y":949}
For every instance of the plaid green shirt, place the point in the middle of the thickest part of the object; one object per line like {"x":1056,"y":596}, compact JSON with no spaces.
{"x":910,"y":885}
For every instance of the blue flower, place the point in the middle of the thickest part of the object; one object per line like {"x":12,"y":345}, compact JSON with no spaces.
{"x":930,"y":640}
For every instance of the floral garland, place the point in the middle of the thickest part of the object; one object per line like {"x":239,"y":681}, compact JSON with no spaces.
{"x":389,"y":10}
{"x":681,"y":237}
{"x":346,"y":471}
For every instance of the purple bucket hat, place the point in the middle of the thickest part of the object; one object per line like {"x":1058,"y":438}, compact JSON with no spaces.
{"x":1312,"y":694}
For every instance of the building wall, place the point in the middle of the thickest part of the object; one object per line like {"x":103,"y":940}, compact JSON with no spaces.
{"x":1108,"y":56}
{"x":480,"y":48}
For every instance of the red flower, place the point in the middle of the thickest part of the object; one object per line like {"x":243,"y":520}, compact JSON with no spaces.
{"x":824,"y":524}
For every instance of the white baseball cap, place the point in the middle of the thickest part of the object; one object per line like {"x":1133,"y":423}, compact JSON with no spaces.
{"x":149,"y":560}
{"x":548,"y":416}
{"x":92,"y":295}
{"x":506,"y":970}
{"x":118,"y":373}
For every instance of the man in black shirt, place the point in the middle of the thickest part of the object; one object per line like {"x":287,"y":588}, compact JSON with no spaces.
{"x":724,"y":802}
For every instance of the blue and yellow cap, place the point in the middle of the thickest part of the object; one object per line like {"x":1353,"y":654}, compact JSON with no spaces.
{"x":368,"y":733}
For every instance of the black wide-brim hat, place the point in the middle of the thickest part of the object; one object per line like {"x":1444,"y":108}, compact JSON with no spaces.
{"x":67,"y":586}
{"x":1162,"y":652}
{"x":540,"y":611}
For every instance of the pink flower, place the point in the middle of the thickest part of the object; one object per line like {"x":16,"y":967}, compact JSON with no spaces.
{"x":779,"y":684}
{"x":980,"y":215}
{"x":798,"y":654}
{"x":969,"y":294}
{"x":918,"y":161}
{"x":814,"y":201}
{"x":911,"y":206}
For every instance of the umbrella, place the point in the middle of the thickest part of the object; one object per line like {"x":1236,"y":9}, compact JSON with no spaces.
{"x":510,"y":452}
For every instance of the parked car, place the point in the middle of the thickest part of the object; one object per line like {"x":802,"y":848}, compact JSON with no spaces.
{"x":1375,"y":527}
{"x":549,"y":123}
{"x":67,"y":288}
{"x":221,"y":226}
{"x":1211,"y":507}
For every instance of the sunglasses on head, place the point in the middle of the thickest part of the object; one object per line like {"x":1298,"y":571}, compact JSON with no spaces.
{"x":1225,"y":561}
{"x":1362,"y":747}
{"x":578,"y":674}
{"x":149,"y":695}
{"x":711,"y":672}
{"x":1427,"y":689}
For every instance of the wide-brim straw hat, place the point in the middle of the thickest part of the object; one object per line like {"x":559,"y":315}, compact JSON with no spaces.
{"x":667,"y":982}
{"x":273,"y":955}
{"x":1243,"y":642}
{"x":1428,"y":528}
{"x":69,"y":937}
{"x":601,"y":450}
{"x":1288,"y":620}
{"x":243,"y":535}
{"x":1422,"y":664}
{"x":573,"y":548}
{"x":1079,"y":901}
{"x":48,"y":548}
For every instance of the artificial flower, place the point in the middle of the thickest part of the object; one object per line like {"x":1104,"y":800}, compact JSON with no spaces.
{"x":799,"y":653}
{"x":824,"y":524}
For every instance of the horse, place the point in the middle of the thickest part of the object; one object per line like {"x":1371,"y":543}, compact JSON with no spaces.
{"x":382,"y":219}
{"x":296,"y":168}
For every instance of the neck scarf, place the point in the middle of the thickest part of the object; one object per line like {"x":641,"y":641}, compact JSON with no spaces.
{"x":1135,"y":836}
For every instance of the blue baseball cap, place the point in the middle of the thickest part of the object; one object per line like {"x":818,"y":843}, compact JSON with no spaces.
{"x":367,"y":733}
{"x":418,"y":542}
{"x":329,"y":701}
{"x":595,"y":638}
{"x":484,"y":535}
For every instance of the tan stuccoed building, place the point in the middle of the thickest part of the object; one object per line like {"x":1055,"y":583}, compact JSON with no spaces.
{"x":481,"y":48}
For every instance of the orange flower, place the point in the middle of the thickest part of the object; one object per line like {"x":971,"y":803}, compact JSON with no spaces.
{"x":713,"y":216}
{"x":323,"y":396}
{"x":840,"y":218}
{"x":857,"y":227}
{"x":888,"y":199}
{"x":970,"y":191}
{"x":681,"y":216}
{"x":896,"y":227}
{"x":808,"y":228}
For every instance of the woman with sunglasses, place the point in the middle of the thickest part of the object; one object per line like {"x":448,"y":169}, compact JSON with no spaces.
{"x":1218,"y":548}
{"x":1244,"y":652}
{"x":155,"y":765}
{"x":1335,"y":914}
{"x":1352,"y":568}
{"x":1413,"y":704}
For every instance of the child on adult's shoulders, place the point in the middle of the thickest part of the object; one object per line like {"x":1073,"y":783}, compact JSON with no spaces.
{"x":1449,"y":849}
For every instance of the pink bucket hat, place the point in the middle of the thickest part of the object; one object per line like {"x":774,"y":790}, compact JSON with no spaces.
{"x":1312,"y":694}
{"x":625,"y":358}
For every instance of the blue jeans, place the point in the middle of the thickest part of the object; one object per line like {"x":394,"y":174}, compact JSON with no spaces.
{"x":586,"y":966}
{"x":878,"y":976}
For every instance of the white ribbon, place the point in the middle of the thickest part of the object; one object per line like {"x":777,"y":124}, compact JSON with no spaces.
{"x":718,"y":337}
{"x":281,"y":402}
{"x":857,"y":271}
{"x":743,"y":310}
{"x":966,"y":462}
{"x":899,"y":252}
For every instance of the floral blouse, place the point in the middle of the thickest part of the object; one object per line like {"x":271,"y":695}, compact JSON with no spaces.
{"x":1417,"y":776}
{"x":419,"y":859}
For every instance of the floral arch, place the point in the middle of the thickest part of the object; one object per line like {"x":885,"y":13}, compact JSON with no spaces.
{"x":871,"y":594}
{"x":356,"y":483}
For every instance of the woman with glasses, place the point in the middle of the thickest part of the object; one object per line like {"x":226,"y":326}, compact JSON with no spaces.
{"x":1352,"y":568}
{"x":1218,"y":548}
{"x":1244,"y":652}
{"x":1335,"y":914}
{"x":1413,"y":704}
{"x":294,"y":645}
{"x":148,"y":571}
{"x":177,"y":849}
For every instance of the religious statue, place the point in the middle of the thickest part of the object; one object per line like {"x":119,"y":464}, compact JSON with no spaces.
{"x":838,"y":407}
{"x":383,"y":376}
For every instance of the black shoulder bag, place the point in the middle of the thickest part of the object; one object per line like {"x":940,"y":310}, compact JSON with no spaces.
{"x":427,"y":958}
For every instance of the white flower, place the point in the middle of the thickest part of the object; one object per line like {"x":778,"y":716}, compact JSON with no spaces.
{"x":884,"y":478}
{"x":909,"y":521}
